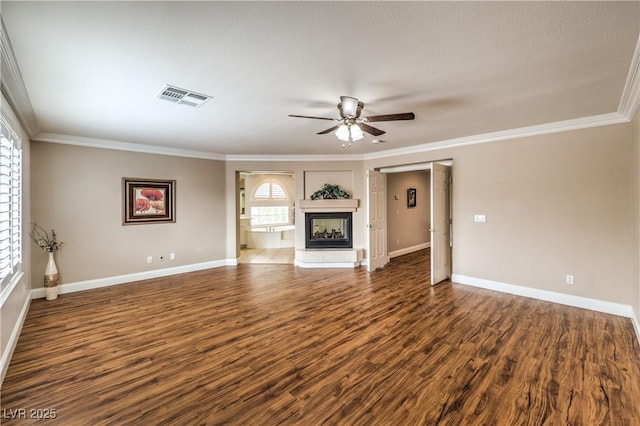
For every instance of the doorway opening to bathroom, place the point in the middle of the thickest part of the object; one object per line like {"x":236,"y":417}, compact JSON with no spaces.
{"x":267,"y":217}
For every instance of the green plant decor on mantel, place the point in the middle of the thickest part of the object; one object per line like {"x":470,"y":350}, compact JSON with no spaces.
{"x":330,"y":192}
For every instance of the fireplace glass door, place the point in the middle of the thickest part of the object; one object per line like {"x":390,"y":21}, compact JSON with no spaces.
{"x":328,"y":230}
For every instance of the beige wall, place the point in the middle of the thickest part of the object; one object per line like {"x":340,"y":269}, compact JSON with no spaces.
{"x":556,"y":204}
{"x":78,"y":192}
{"x":408,"y":227}
{"x":316,"y":179}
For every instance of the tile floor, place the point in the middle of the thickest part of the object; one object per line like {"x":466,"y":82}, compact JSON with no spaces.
{"x":278,"y":255}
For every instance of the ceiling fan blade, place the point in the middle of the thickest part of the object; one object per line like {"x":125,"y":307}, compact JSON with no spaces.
{"x":391,"y":117}
{"x":324,"y":132}
{"x":315,"y":118}
{"x":371,"y":130}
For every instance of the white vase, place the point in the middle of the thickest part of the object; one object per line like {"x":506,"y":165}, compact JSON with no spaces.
{"x":51,"y":279}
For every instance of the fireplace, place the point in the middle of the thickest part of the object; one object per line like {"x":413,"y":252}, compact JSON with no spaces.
{"x":328,"y":230}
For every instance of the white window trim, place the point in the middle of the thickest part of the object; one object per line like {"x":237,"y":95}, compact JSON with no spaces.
{"x":16,"y":274}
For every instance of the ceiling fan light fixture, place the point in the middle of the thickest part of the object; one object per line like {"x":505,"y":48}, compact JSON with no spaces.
{"x":356,"y":133}
{"x":349,"y":132}
{"x":343,"y":133}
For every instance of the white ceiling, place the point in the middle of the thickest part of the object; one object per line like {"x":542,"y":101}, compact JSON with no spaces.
{"x":92,"y":70}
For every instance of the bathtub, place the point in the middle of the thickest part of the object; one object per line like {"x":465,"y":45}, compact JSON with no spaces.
{"x":271,"y":237}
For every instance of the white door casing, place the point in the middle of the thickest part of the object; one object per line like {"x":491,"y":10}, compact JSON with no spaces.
{"x":377,"y":220}
{"x":440,"y":223}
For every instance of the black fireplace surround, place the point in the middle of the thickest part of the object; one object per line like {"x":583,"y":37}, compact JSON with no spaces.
{"x":328,"y":230}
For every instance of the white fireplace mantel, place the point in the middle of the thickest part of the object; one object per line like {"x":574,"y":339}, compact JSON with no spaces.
{"x":328,"y":257}
{"x":329,"y":206}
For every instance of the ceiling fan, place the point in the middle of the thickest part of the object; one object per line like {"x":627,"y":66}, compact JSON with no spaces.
{"x":351,"y":125}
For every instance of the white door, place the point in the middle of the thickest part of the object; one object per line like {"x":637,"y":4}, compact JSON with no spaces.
{"x":440,"y":223}
{"x":377,"y":220}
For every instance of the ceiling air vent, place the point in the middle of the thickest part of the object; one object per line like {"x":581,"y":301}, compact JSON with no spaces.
{"x":182,"y":96}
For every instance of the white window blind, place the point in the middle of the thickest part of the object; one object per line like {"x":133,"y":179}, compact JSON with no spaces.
{"x":277,"y":192}
{"x":270,"y":191}
{"x":270,"y":205}
{"x":263,"y":192}
{"x":10,"y":205}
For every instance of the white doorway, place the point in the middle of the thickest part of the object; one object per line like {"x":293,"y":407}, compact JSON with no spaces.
{"x":266,"y":216}
{"x":377,"y":220}
{"x":440,"y":223}
{"x":427,"y":225}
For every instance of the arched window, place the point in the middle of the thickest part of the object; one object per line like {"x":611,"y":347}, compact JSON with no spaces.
{"x":270,"y":205}
{"x":270,"y":191}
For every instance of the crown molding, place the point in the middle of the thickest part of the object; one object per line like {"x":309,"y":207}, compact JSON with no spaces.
{"x":522,"y":132}
{"x":13,"y":87}
{"x":630,"y":99}
{"x":153,"y":149}
{"x":125,"y":146}
{"x":327,"y":157}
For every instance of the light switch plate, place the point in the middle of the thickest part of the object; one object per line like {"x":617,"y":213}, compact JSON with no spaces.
{"x":480,"y":218}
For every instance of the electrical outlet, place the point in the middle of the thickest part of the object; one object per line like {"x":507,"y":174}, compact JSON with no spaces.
{"x":172,"y":256}
{"x":569,"y":279}
{"x":149,"y":259}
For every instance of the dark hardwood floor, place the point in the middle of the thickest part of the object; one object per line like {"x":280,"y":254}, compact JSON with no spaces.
{"x":274,"y":344}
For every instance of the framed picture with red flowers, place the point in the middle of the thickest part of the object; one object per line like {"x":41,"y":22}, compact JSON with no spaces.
{"x":148,"y":201}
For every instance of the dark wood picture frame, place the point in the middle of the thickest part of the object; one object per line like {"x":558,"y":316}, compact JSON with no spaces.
{"x":411,"y":197}
{"x":148,"y":201}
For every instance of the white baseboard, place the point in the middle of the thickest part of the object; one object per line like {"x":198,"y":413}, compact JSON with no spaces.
{"x":549,"y":296}
{"x":7,"y":352}
{"x":408,"y":250}
{"x":38,"y":293}
{"x":636,"y":324}
{"x":326,"y":264}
